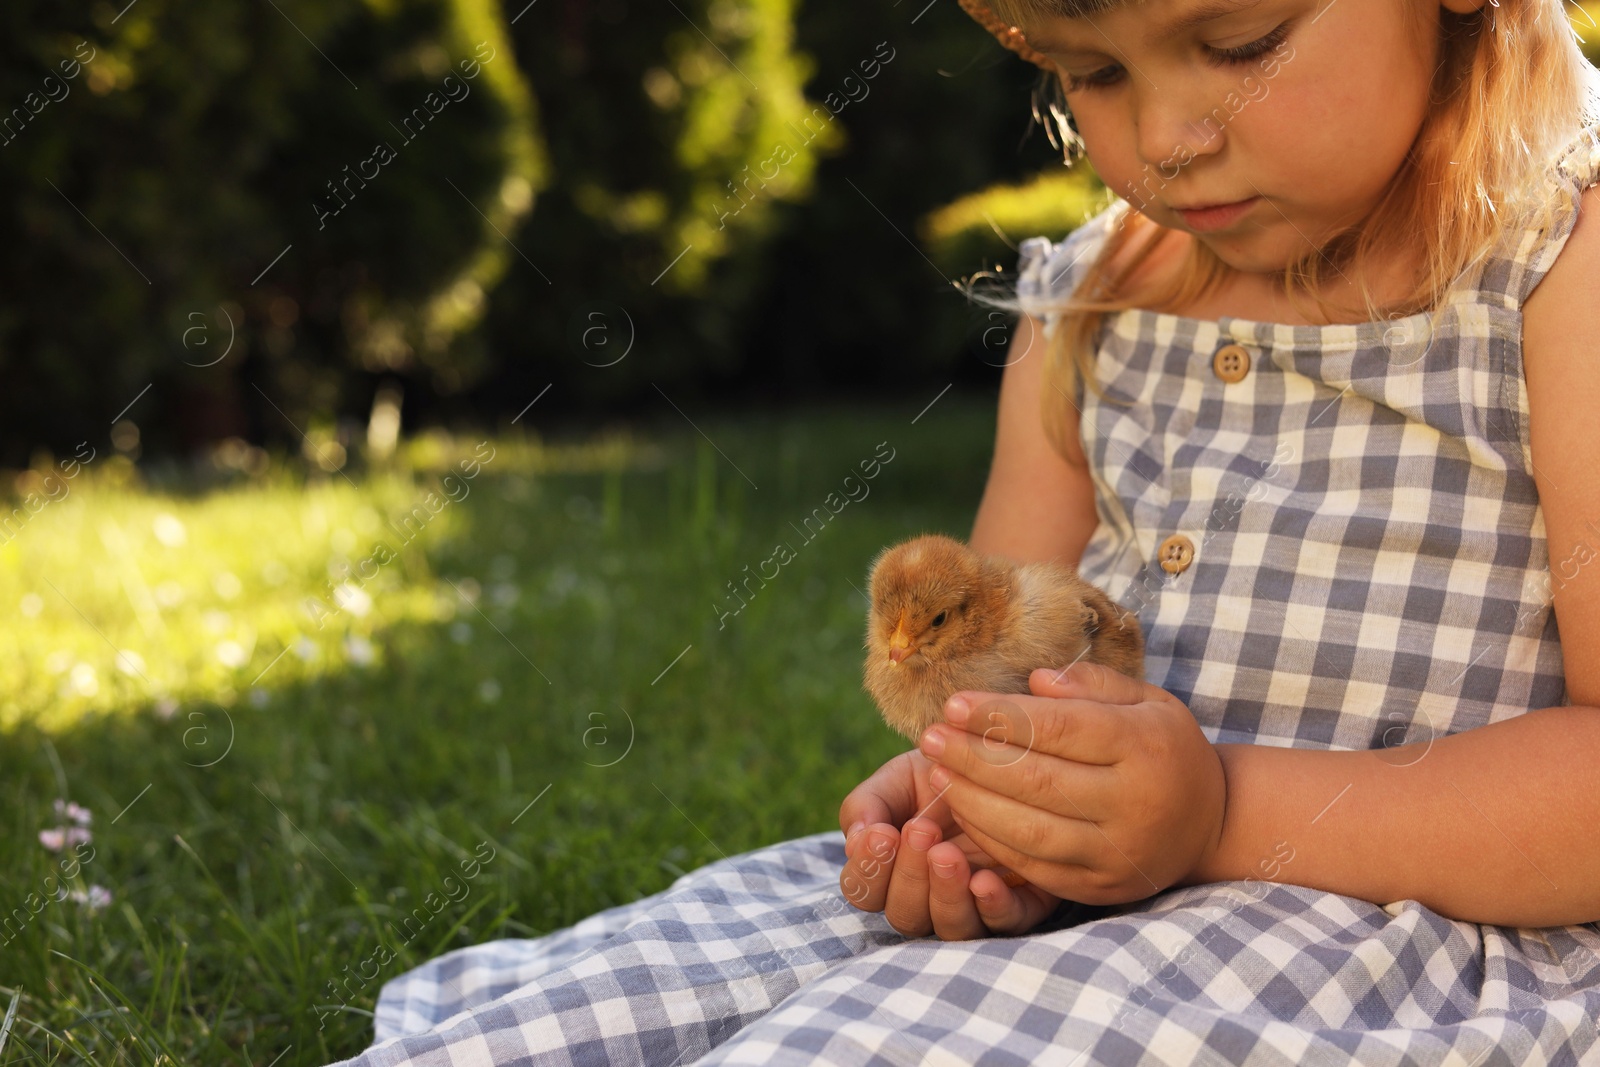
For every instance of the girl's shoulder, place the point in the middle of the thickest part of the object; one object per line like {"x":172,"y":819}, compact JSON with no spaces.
{"x":1560,"y":321}
{"x":1048,"y":271}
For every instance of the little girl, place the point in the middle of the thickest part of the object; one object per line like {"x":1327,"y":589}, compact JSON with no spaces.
{"x":1311,"y":399}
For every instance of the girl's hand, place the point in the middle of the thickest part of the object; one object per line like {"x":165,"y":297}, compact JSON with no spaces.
{"x":1097,"y":788}
{"x":930,"y":877}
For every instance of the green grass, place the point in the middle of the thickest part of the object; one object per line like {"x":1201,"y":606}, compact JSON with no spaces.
{"x":293,"y":792}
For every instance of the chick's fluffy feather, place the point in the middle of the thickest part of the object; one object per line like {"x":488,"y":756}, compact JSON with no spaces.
{"x":997,"y":621}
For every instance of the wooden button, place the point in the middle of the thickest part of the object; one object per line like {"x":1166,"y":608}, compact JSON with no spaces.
{"x":1175,"y":554}
{"x":1231,"y":363}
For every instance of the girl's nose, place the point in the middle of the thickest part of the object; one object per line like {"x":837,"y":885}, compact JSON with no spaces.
{"x":1171,"y":127}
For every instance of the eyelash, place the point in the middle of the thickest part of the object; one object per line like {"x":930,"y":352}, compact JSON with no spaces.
{"x":1221,"y":57}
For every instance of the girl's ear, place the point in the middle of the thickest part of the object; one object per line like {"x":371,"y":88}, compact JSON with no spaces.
{"x":1462,"y":7}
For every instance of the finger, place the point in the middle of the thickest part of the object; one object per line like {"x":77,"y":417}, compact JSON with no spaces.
{"x":887,"y":796}
{"x":1082,"y":881}
{"x":1064,"y":880}
{"x":1025,"y":830}
{"x":907,"y":905}
{"x":1032,"y":777}
{"x":1085,"y":731}
{"x":1089,"y":681}
{"x":1007,"y":910}
{"x":951,"y":907}
{"x":869,"y":866}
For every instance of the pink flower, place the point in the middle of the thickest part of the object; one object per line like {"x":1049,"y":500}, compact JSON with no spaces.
{"x":66,"y":809}
{"x":53,"y":839}
{"x":77,"y":835}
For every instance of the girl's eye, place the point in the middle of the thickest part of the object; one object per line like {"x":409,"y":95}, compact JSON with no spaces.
{"x":1222,"y":57}
{"x":1246,"y":52}
{"x":1097,"y":79}
{"x":938,"y":620}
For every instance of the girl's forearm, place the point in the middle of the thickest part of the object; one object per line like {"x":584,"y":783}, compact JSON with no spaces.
{"x":1492,"y":825}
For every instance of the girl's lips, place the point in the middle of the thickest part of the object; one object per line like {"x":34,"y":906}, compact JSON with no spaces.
{"x":1206,"y":219}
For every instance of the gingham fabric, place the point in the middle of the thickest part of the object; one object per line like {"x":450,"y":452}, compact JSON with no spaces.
{"x":1369,"y":569}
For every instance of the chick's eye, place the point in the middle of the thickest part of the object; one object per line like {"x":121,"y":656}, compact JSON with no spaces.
{"x":938,"y":620}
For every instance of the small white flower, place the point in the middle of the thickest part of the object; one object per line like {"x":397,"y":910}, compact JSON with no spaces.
{"x":166,"y":707}
{"x":216,"y":621}
{"x":360,"y":650}
{"x":169,"y":530}
{"x":274,"y":573}
{"x":32,"y":605}
{"x":53,"y":839}
{"x":259,"y":697}
{"x":489,"y":690}
{"x":232,"y":654}
{"x":461,"y":632}
{"x":504,"y":594}
{"x":96,"y":898}
{"x":353,"y":598}
{"x":83,"y":680}
{"x":305,"y":648}
{"x":169,"y":594}
{"x":58,"y":661}
{"x":130,"y":662}
{"x":227,"y":584}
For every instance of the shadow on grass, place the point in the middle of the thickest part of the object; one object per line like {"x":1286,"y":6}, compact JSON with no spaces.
{"x":588,"y":719}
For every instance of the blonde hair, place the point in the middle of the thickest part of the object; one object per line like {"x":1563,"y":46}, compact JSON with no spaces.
{"x":1511,"y":89}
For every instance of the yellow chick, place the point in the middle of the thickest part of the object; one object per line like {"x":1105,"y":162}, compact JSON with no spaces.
{"x":944,"y":618}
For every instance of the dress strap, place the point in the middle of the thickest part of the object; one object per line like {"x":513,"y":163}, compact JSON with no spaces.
{"x":1522,"y":259}
{"x":1049,"y":271}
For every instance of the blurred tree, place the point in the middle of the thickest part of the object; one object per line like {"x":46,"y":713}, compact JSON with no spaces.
{"x":802,"y":274}
{"x":316,"y":184}
{"x":633,"y":204}
{"x":677,"y":132}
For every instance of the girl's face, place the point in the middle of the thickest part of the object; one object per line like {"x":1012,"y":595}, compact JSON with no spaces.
{"x":1306,"y":108}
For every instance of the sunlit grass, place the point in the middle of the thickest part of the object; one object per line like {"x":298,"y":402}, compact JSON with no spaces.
{"x":286,"y":795}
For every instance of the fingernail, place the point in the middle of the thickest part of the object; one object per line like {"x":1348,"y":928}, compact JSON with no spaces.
{"x":939,"y":777}
{"x":920,"y":839}
{"x":855,"y":828}
{"x":943,"y":870}
{"x":957,"y":710}
{"x":880,"y":843}
{"x":932,"y":743}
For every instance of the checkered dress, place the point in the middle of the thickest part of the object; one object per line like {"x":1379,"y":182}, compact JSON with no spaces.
{"x":1368,"y":568}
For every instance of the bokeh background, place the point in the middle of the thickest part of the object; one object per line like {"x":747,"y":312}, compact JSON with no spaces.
{"x":403,"y":404}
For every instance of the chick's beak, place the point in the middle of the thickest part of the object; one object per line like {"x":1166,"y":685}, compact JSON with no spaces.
{"x":899,"y":642}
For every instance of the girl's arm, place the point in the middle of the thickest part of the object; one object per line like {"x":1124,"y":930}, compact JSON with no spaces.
{"x":1036,"y":505}
{"x":1495,"y":824}
{"x":1492,"y":825}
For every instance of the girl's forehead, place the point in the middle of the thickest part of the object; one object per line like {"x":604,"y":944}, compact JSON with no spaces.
{"x":1165,"y":18}
{"x":1022,"y":13}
